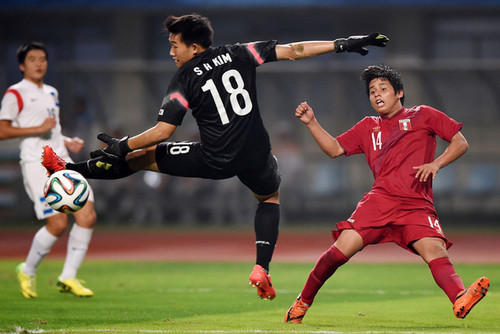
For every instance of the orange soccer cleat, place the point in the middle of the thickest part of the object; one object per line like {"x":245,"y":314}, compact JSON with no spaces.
{"x":297,"y":311}
{"x":51,"y":161}
{"x":262,"y":281}
{"x":469,"y":297}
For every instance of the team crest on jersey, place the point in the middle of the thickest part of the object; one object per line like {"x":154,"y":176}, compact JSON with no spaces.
{"x":376,"y":128}
{"x":404,"y":124}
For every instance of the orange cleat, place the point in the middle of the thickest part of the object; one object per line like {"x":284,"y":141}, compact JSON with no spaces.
{"x":469,"y":297}
{"x":297,"y":311}
{"x":51,"y":161}
{"x":262,"y":281}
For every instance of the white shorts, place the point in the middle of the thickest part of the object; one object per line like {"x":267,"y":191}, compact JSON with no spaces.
{"x":34,"y":178}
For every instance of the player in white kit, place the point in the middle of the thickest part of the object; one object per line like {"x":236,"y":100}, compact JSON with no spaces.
{"x":30,"y":111}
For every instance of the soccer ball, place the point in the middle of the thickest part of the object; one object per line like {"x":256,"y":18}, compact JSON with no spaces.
{"x":66,"y":191}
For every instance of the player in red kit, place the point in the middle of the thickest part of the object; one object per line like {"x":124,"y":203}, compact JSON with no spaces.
{"x":399,"y":145}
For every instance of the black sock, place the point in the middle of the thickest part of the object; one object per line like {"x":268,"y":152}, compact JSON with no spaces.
{"x":267,"y":219}
{"x":95,"y":169}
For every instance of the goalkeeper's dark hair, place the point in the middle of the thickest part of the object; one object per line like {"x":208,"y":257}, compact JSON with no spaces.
{"x":383,"y":72}
{"x":193,"y":28}
{"x":23,"y":50}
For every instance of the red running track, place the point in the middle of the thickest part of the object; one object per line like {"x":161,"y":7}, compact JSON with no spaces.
{"x":224,"y":245}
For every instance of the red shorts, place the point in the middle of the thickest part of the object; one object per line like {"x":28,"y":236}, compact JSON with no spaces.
{"x":381,"y":218}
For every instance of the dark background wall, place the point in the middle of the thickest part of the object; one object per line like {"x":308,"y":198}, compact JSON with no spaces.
{"x":110,"y":62}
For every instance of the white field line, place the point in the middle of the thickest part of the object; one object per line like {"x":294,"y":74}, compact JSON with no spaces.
{"x":20,"y":330}
{"x":76,"y":331}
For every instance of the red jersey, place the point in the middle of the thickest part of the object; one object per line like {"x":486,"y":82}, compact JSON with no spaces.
{"x":393,"y":146}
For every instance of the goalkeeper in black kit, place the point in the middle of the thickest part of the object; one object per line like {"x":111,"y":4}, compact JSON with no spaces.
{"x":217,"y":84}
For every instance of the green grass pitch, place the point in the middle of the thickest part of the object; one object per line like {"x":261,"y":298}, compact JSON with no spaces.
{"x":211,"y":297}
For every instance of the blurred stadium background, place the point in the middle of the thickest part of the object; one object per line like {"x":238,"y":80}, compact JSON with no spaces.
{"x":109,"y":60}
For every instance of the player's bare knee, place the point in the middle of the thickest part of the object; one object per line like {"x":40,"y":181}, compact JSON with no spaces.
{"x":144,"y":159}
{"x":87,"y":221}
{"x":349,"y":242}
{"x":431,"y":248}
{"x":271,"y":198}
{"x":87,"y":216}
{"x":57,"y":224}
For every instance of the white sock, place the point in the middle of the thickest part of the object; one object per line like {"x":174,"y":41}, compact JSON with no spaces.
{"x":78,"y":243}
{"x":40,"y":246}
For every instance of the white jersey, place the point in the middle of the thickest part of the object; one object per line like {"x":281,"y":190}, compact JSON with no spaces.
{"x":27,"y":105}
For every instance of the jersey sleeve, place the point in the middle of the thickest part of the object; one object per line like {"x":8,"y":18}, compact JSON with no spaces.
{"x":10,"y":107}
{"x":259,"y":52}
{"x":174,"y":105}
{"x":443,"y":125}
{"x":351,"y":140}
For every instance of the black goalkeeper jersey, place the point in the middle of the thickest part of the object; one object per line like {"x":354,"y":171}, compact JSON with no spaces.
{"x":219,"y":87}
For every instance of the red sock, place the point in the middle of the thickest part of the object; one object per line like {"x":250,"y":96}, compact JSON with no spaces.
{"x":446,"y":277}
{"x":327,"y":263}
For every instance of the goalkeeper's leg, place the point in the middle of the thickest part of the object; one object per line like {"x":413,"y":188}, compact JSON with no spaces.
{"x":267,"y":219}
{"x":93,"y":168}
{"x":97,"y":169}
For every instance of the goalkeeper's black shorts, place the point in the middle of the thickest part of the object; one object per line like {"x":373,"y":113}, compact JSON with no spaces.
{"x":186,"y":159}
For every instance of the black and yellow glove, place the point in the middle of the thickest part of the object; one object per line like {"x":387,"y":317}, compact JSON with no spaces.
{"x":117,"y":148}
{"x":358,"y":43}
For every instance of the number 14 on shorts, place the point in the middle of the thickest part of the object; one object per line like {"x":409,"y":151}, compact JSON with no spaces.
{"x":434,"y":224}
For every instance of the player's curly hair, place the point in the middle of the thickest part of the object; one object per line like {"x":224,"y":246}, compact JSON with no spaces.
{"x":384,"y":72}
{"x":23,"y":50}
{"x":193,"y":28}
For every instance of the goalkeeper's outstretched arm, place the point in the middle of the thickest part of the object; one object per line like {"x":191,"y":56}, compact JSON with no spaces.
{"x":306,"y":49}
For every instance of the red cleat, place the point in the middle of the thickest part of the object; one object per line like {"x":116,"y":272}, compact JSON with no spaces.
{"x":262,"y":281}
{"x":51,"y":161}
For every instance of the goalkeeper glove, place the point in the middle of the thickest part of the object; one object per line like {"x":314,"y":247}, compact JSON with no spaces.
{"x":358,"y":43}
{"x":117,"y":148}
